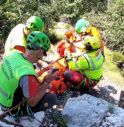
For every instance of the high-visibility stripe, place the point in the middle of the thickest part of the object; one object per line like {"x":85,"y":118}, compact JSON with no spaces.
{"x":86,"y":59}
{"x":77,"y":68}
{"x":93,"y":66}
{"x":5,"y":94}
{"x":91,"y":62}
{"x":99,"y":56}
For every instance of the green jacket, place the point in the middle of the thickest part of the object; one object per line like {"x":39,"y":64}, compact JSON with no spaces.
{"x":90,"y":64}
{"x":13,"y":67}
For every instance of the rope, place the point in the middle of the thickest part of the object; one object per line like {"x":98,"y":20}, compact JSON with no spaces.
{"x":11,"y":109}
{"x":4,"y":114}
{"x":11,"y":123}
{"x":47,"y":68}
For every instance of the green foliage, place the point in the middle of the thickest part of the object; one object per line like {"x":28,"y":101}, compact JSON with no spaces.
{"x":117,"y":57}
{"x":53,"y":38}
{"x":107,"y":15}
{"x":59,"y":119}
{"x":59,"y":29}
{"x":110,"y":67}
{"x":7,"y":19}
{"x":115,"y":27}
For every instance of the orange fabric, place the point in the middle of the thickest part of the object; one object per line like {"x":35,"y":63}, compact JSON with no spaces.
{"x":33,"y":85}
{"x":58,"y":86}
{"x":69,"y":34}
{"x":71,"y":48}
{"x":61,"y":48}
{"x":20,"y":48}
{"x":59,"y":66}
{"x":77,"y":79}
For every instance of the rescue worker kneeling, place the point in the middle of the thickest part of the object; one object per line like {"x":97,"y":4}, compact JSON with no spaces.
{"x":18,"y":79}
{"x":87,"y":69}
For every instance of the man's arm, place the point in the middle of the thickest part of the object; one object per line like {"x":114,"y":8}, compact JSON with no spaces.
{"x":33,"y":90}
{"x":32,"y":101}
{"x":81,"y":63}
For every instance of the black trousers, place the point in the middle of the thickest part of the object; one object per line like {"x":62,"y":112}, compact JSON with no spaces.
{"x":46,"y":102}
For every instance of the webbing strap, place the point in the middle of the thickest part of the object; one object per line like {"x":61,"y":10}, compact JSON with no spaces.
{"x":83,"y":83}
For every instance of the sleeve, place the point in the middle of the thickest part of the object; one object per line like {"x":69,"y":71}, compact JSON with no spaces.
{"x":61,"y":48}
{"x":18,"y":36}
{"x":8,"y":43}
{"x":29,"y":85}
{"x":79,"y":65}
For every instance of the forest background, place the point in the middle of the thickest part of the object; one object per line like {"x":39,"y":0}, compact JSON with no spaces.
{"x":106,"y":15}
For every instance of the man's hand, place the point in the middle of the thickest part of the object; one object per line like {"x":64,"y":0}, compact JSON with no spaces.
{"x":52,"y":74}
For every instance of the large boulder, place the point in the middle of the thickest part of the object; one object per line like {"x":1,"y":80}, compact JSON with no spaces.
{"x":89,"y":111}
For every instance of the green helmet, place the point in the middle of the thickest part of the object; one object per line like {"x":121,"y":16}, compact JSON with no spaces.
{"x":34,"y":23}
{"x":82,"y":25}
{"x":37,"y":40}
{"x":92,"y":42}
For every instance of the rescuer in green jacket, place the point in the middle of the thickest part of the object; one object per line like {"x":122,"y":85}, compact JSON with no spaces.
{"x":87,"y":69}
{"x":18,"y":79}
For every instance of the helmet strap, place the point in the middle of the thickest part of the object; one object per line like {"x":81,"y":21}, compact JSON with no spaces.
{"x":88,"y":47}
{"x":89,"y":51}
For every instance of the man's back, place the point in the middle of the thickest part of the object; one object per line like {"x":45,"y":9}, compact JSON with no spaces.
{"x":16,"y":37}
{"x":13,"y":68}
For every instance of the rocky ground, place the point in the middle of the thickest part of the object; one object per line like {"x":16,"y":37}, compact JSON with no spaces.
{"x":107,"y":91}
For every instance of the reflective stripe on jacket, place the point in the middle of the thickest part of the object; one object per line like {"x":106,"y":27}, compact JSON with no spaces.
{"x":91,"y":65}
